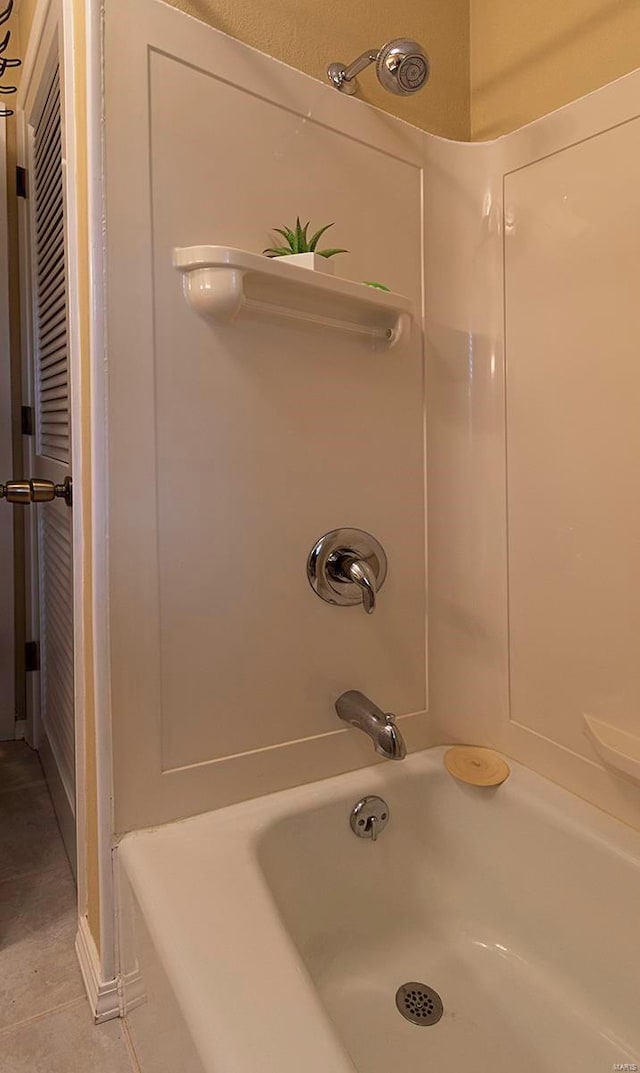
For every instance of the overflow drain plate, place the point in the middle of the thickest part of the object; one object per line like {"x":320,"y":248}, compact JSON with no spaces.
{"x":419,"y":1004}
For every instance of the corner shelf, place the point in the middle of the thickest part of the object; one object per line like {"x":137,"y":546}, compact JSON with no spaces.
{"x":618,"y":748}
{"x":221,"y":282}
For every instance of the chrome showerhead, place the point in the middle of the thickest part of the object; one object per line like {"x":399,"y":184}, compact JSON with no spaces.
{"x":402,"y":67}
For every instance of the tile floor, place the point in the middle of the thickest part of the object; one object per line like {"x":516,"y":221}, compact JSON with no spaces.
{"x":45,"y":1024}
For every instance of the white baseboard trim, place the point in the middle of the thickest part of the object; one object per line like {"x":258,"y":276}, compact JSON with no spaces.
{"x":102,"y":994}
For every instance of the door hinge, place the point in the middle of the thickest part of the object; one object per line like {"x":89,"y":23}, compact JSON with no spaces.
{"x":26,"y":420}
{"x":31,"y":657}
{"x":21,"y":182}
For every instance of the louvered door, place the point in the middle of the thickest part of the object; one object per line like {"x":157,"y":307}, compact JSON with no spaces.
{"x":51,"y":455}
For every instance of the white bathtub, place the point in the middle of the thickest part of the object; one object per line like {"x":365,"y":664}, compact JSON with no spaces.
{"x":267,"y":938}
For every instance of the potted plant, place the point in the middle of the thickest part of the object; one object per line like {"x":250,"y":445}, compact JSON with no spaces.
{"x":302,"y":250}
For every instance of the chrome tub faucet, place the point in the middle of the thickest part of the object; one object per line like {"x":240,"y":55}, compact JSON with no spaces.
{"x":354,"y":708}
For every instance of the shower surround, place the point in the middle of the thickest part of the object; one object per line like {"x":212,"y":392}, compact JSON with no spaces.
{"x":233,"y":448}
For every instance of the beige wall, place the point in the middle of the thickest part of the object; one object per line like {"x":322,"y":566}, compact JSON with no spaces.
{"x":529,"y":59}
{"x":309,"y":35}
{"x":496,"y":64}
{"x":26,"y":11}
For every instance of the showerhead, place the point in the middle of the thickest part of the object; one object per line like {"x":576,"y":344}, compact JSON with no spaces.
{"x":402,"y":67}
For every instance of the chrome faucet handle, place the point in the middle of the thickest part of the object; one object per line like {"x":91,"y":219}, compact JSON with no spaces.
{"x":347,"y":566}
{"x":359,"y":571}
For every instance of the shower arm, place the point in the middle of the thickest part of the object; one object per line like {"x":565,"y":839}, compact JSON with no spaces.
{"x":344,"y":77}
{"x":354,"y":69}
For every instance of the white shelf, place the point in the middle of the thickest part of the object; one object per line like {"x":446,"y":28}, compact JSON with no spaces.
{"x":221,"y":282}
{"x":617,"y":748}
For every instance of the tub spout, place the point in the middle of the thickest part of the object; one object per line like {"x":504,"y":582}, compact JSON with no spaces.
{"x":390,"y":742}
{"x":354,"y":708}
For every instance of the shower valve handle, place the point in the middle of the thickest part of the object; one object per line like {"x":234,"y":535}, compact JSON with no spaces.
{"x":347,"y":566}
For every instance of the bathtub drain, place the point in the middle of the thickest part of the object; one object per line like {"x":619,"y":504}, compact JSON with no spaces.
{"x":419,"y":1004}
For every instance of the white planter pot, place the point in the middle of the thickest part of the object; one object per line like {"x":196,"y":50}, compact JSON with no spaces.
{"x":310,"y":260}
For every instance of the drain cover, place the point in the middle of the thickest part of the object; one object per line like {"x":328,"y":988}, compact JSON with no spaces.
{"x":419,"y":1004}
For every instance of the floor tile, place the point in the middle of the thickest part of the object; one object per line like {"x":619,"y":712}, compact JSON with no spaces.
{"x":65,"y":1041}
{"x":38,"y":964}
{"x":45,"y":1023}
{"x":29,"y":837}
{"x":19,"y":766}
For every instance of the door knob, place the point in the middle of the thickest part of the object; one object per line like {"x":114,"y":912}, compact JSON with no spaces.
{"x":36,"y":490}
{"x":347,"y":566}
{"x":16,"y":492}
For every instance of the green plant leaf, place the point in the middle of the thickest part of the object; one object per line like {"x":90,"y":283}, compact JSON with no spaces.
{"x":316,"y":238}
{"x":287,"y":235}
{"x":300,"y":242}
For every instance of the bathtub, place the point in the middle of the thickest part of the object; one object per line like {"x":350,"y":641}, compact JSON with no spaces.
{"x":267,"y":938}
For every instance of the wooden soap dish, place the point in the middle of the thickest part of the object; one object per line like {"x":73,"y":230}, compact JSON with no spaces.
{"x":476,"y":766}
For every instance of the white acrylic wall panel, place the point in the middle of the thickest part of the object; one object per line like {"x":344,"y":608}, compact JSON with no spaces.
{"x":524,"y":638}
{"x":573,"y":400}
{"x":234,"y":448}
{"x":468,"y":650}
{"x":270,"y":435}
